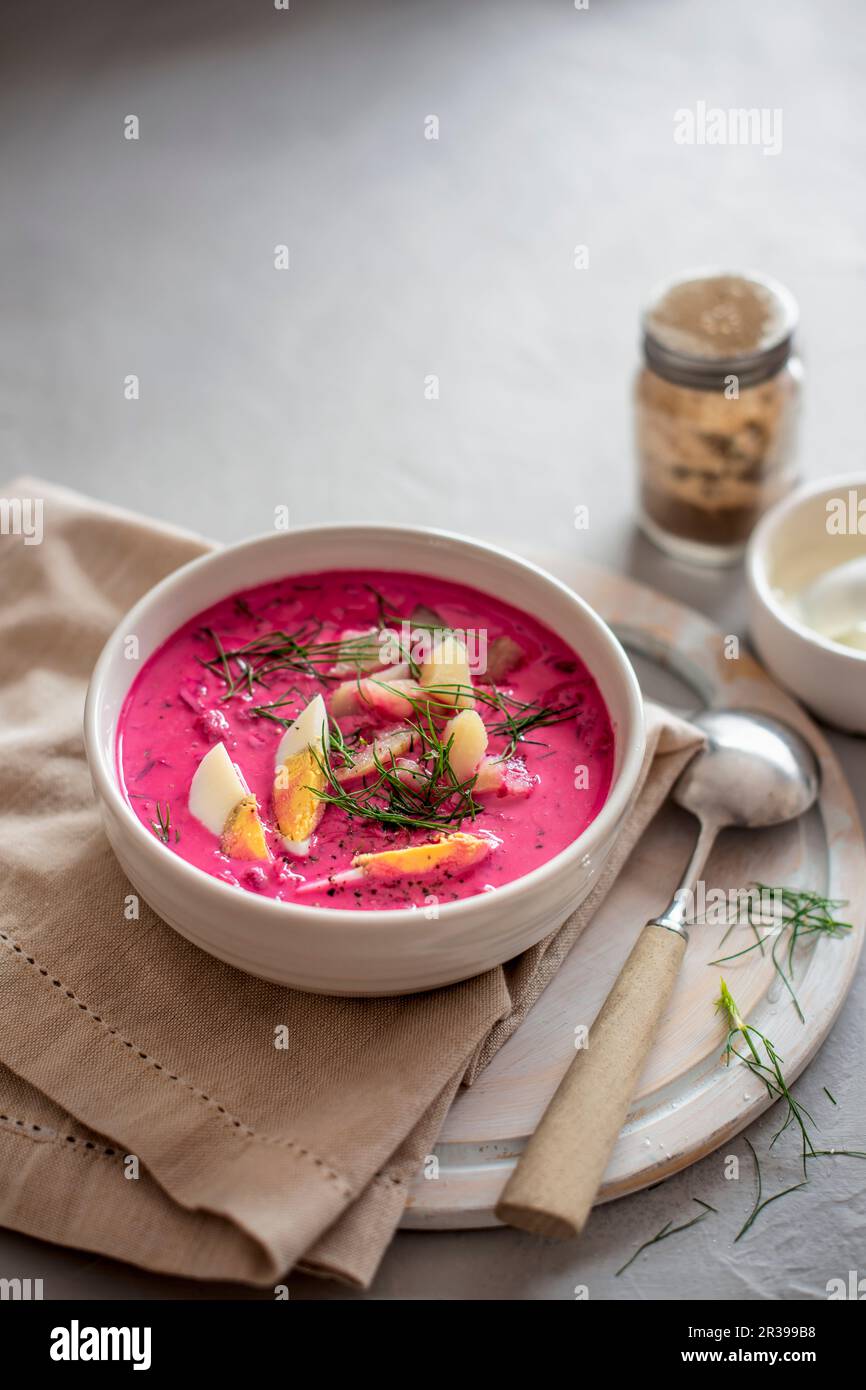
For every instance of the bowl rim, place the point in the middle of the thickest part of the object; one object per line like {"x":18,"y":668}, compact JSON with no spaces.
{"x":271,"y":910}
{"x":756,"y":563}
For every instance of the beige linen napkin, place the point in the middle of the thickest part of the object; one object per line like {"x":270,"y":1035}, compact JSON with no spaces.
{"x":145,"y":1112}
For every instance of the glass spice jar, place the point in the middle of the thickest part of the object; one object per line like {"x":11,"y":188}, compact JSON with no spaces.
{"x":716,"y":406}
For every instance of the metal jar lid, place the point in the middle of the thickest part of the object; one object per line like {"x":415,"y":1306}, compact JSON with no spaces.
{"x":707,"y":326}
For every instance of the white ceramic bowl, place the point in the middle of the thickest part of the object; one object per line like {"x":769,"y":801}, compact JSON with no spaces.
{"x":790,"y":549}
{"x":338,"y":951}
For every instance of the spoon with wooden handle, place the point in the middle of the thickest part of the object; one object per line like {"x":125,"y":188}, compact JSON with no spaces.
{"x":754,"y":771}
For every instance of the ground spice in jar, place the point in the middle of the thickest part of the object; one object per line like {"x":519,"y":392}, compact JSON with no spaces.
{"x":716,"y":411}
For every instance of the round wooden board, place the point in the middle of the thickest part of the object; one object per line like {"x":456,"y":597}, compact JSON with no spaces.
{"x":687,"y":1102}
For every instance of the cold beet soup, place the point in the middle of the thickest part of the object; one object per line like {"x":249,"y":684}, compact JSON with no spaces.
{"x":365,"y":740}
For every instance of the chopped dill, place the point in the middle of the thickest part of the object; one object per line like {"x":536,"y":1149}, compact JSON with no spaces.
{"x":162,"y":825}
{"x":759,"y":1205}
{"x":804,"y":914}
{"x":516,"y":717}
{"x":288,"y":697}
{"x":668,"y":1230}
{"x":381,"y":604}
{"x":768,"y":1070}
{"x":838,"y":1153}
{"x":302,"y":652}
{"x":433,"y":799}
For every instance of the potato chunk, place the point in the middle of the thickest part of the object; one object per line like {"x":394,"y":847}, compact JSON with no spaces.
{"x":468,"y":738}
{"x":297,"y":808}
{"x":386,"y":749}
{"x":446,"y":674}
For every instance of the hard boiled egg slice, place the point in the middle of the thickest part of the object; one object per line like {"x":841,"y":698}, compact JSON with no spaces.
{"x":446,"y":856}
{"x":298,"y":775}
{"x":308,"y":731}
{"x":449,"y":854}
{"x":244,"y":834}
{"x":216,"y":789}
{"x":221,"y":800}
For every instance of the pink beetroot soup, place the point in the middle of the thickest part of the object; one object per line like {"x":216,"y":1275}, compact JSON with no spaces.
{"x":548,"y":726}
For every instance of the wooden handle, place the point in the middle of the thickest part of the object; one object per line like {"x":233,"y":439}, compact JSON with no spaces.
{"x":552,"y":1190}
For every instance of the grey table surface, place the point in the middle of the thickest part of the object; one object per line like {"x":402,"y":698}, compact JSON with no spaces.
{"x":410,"y":258}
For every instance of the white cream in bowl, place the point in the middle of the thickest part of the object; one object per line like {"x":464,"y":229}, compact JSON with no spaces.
{"x":806,"y":572}
{"x":834,"y":604}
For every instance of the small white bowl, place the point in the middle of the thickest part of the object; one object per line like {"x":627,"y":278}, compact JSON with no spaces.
{"x":338,"y":951}
{"x":791,"y":548}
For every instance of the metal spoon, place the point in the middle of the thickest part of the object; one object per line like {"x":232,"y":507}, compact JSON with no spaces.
{"x":754,"y":771}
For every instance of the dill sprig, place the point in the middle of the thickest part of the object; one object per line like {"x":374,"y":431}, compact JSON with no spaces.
{"x":381,"y":604}
{"x":337,"y":746}
{"x":301,"y":652}
{"x":759,"y":1204}
{"x":304,"y":652}
{"x":423,"y":618}
{"x":515,"y":726}
{"x":162,"y":825}
{"x":838,"y":1153}
{"x":804,"y":914}
{"x":516,"y":717}
{"x":666,"y":1231}
{"x":768,"y":1070}
{"x":434,"y":799}
{"x":292,"y":696}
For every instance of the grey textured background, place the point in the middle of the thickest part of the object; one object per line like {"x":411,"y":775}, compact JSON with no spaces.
{"x":411,"y":257}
